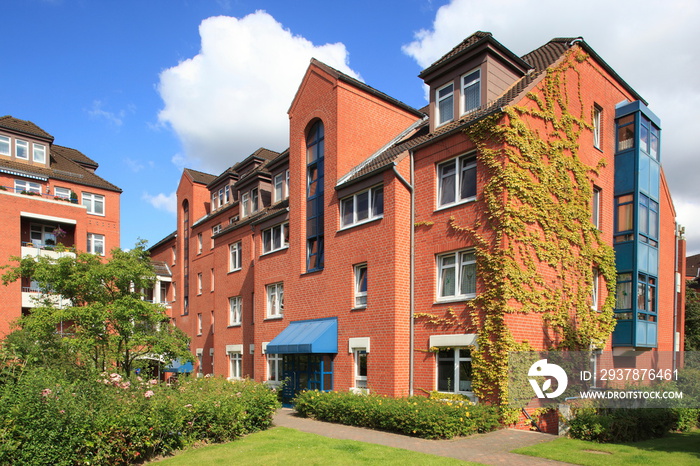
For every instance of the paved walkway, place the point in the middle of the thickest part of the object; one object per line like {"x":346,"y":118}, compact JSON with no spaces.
{"x":491,"y":448}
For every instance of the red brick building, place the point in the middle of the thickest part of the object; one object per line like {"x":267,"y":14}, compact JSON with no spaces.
{"x":388,"y":245}
{"x":49,"y":195}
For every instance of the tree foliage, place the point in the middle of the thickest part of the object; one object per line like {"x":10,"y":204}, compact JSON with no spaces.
{"x":692,"y":316}
{"x":91,"y":313}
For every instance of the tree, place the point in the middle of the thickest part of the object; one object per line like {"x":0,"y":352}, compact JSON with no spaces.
{"x":91,"y":312}
{"x":692,"y":316}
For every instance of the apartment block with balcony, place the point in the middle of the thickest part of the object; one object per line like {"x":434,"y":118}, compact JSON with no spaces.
{"x":49,"y":195}
{"x":358,"y":259}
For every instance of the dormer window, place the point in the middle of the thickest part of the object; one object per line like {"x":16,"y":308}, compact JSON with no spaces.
{"x":39,"y":153}
{"x":444,"y":100}
{"x":4,"y":145}
{"x":245,"y":202}
{"x":471,"y":91}
{"x":249,"y":202}
{"x":21,"y":149}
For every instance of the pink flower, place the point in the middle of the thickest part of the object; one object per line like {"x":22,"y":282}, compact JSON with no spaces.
{"x":153,"y":381}
{"x":149,"y":394}
{"x":46,"y":392}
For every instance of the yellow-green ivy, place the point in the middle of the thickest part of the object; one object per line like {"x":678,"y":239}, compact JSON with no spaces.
{"x":536,"y":246}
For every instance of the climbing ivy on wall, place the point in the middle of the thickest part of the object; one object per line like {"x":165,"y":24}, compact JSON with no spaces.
{"x":536,"y":246}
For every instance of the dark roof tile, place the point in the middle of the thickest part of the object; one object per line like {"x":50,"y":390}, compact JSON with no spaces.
{"x":23,"y":126}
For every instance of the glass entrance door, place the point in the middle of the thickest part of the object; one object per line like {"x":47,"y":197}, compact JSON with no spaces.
{"x":305,"y":372}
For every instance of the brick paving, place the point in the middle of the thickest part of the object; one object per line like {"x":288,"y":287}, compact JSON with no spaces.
{"x":491,"y":448}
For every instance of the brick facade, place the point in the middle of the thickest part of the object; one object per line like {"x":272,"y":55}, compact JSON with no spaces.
{"x":375,"y":146}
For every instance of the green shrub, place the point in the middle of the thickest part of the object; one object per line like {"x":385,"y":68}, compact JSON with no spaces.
{"x":620,"y":425}
{"x":686,"y":419}
{"x":416,"y":416}
{"x":48,"y":418}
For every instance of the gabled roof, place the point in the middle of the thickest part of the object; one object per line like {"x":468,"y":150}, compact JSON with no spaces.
{"x":62,"y":168}
{"x":23,"y":126}
{"x":540,"y":59}
{"x":470,"y":43}
{"x":75,"y":156}
{"x":262,"y":155}
{"x":199,"y":177}
{"x":339,"y":75}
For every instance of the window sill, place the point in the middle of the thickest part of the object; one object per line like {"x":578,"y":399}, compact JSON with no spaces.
{"x":455,"y":204}
{"x":235,"y":270}
{"x":359,"y":308}
{"x":234,"y":325}
{"x":454,"y":299}
{"x":273,"y":318}
{"x":274,"y":251}
{"x":364,"y":222}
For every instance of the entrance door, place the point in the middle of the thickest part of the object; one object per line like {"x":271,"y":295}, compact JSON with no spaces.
{"x":305,"y":372}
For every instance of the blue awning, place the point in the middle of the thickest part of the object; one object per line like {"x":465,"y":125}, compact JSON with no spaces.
{"x":307,"y":336}
{"x":179,"y":367}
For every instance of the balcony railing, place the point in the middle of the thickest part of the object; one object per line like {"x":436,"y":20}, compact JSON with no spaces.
{"x":11,"y":189}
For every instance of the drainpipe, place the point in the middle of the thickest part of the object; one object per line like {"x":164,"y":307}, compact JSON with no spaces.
{"x":411,"y":273}
{"x":676,"y":290}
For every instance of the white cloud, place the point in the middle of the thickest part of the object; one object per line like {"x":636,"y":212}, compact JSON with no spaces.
{"x":233,"y":97}
{"x":97,"y":111}
{"x":166,"y":202}
{"x":651,"y":45}
{"x":134,"y":165}
{"x":688,"y":215}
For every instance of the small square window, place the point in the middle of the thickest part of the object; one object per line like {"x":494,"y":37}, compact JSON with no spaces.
{"x":234,"y":260}
{"x":4,"y":145}
{"x":444,"y":101}
{"x":456,"y":181}
{"x":21,"y":149}
{"x":276,"y":238}
{"x":457,"y":275}
{"x":95,"y":203}
{"x":39,"y":153}
{"x":96,"y":244}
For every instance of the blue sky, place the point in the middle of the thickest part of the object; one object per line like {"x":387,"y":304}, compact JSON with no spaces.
{"x":148,"y":87}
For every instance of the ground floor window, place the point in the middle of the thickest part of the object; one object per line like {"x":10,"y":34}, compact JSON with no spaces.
{"x":360,"y":368}
{"x":454,"y":370}
{"x":234,"y":365}
{"x":274,"y":365}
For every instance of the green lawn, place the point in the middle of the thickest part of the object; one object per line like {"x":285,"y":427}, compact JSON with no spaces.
{"x":674,"y":449}
{"x":281,"y":445}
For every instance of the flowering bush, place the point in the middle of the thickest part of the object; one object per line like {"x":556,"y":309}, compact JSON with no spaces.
{"x":46,"y":418}
{"x":416,"y":416}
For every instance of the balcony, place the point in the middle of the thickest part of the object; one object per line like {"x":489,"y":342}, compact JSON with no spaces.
{"x":30,"y":249}
{"x":31,"y":297}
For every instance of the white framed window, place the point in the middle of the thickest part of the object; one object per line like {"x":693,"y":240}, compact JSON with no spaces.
{"x":444,"y":102}
{"x":200,"y":361}
{"x":360,"y":378}
{"x":456,"y":180}
{"x":360,"y":286}
{"x":278,"y":185}
{"x":214,"y":198}
{"x":39,"y":153}
{"x":275,"y":300}
{"x":21,"y":149}
{"x":275,"y":238}
{"x":456,"y":275}
{"x":597,"y":122}
{"x":221,"y":197}
{"x":595,"y":214}
{"x":173,"y":253}
{"x":63,"y":193}
{"x":199,"y":324}
{"x":254,"y":207}
{"x":362,"y":207}
{"x":471,"y":91}
{"x":274,"y":367}
{"x":96,"y":244}
{"x":211,"y":279}
{"x":234,"y":257}
{"x":235,"y":310}
{"x":227,"y":194}
{"x":42,"y":235}
{"x":286,"y":183}
{"x":245,"y":204}
{"x":95,"y":203}
{"x":27,"y":187}
{"x":199,"y":283}
{"x":235,"y":360}
{"x":4,"y":145}
{"x":199,"y":243}
{"x":454,"y":370}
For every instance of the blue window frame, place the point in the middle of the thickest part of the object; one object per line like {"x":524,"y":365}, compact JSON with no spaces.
{"x":315,"y":142}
